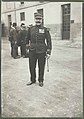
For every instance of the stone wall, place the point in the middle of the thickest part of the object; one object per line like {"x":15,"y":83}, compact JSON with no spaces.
{"x":4,"y":31}
{"x":55,"y":31}
{"x":75,"y":30}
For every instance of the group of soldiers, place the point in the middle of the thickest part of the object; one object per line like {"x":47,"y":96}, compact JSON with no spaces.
{"x":17,"y":38}
{"x":37,"y":40}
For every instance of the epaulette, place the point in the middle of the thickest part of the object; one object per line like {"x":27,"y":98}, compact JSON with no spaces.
{"x":48,"y":29}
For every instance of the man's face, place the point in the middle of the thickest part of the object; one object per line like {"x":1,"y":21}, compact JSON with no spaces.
{"x":18,"y":28}
{"x":15,"y":27}
{"x":23,"y":27}
{"x":38,"y":21}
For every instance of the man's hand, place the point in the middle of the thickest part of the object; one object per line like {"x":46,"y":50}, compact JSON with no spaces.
{"x":49,"y":51}
{"x":15,"y":42}
{"x":27,"y":50}
{"x":27,"y":46}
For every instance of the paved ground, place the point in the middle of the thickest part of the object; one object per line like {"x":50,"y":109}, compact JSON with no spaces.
{"x":61,"y":95}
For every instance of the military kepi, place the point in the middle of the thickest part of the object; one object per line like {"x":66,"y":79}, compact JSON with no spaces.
{"x":37,"y":16}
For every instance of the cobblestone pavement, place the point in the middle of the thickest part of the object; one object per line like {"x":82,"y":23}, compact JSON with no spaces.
{"x":61,"y":95}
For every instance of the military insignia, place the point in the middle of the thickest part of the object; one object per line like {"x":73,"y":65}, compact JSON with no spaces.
{"x":41,"y":30}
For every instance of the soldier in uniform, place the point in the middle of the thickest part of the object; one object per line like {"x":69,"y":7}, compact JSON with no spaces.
{"x":13,"y":39}
{"x":39,"y":42}
{"x":22,"y":37}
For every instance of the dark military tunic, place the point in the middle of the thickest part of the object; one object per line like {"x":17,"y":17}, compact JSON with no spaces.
{"x":40,"y":39}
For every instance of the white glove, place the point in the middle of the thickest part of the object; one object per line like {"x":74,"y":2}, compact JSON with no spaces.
{"x":47,"y":56}
{"x":27,"y":46}
{"x":15,"y":42}
{"x":27,"y":50}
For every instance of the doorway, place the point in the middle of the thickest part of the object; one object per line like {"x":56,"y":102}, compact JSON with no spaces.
{"x":66,"y":21}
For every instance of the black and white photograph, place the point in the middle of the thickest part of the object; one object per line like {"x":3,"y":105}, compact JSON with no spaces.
{"x":41,"y":59}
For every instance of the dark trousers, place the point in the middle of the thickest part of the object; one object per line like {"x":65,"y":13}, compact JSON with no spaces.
{"x":11,"y":51}
{"x":23,"y":49}
{"x":33,"y":57}
{"x":14,"y":50}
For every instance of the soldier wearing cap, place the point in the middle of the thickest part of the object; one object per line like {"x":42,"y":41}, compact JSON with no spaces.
{"x":39,"y":42}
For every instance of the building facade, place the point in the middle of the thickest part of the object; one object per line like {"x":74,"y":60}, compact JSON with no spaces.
{"x":64,"y":19}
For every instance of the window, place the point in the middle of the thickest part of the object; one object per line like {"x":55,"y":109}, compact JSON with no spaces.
{"x":21,"y":3}
{"x":9,"y":18}
{"x":66,"y":9}
{"x":22,"y":16}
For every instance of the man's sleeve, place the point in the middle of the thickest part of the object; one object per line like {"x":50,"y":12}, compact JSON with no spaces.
{"x":10,"y":35}
{"x":20,"y":35}
{"x":19,"y":38}
{"x":49,"y":42}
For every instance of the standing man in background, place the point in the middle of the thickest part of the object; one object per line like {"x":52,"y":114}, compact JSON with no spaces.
{"x":13,"y":40}
{"x":10,"y":39}
{"x":22,"y":39}
{"x":39,"y":43}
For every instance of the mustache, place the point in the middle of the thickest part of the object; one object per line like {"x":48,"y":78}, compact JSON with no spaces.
{"x":38,"y":22}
